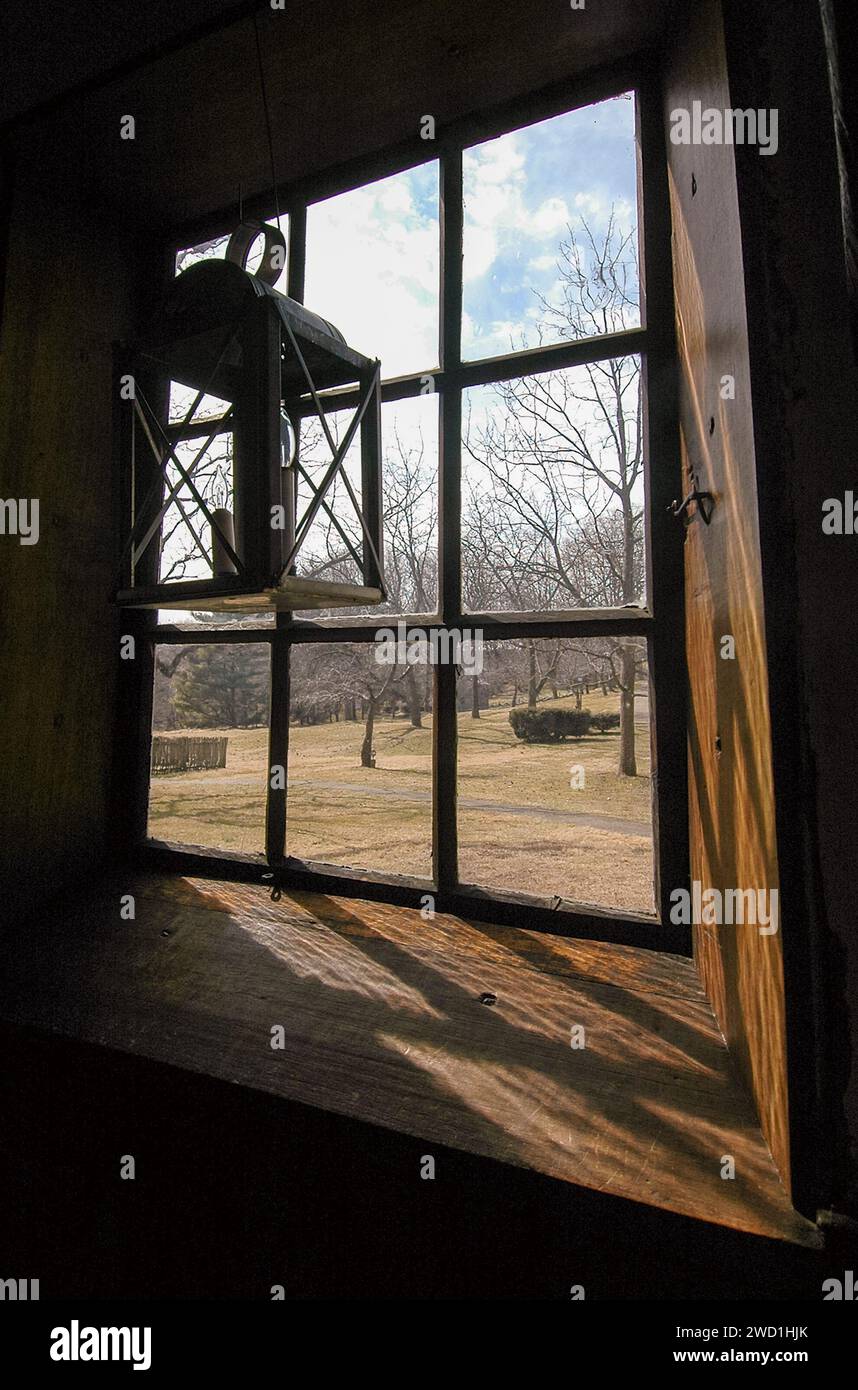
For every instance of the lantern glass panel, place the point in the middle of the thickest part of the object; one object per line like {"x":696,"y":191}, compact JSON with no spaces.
{"x":325,"y":554}
{"x":185,"y":523}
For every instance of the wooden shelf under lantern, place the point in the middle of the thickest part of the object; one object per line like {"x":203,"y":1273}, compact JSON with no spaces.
{"x":224,"y":332}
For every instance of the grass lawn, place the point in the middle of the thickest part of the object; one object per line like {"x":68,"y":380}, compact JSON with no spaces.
{"x":380,"y":818}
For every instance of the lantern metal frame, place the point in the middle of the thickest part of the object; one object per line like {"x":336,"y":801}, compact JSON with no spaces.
{"x":226,"y":333}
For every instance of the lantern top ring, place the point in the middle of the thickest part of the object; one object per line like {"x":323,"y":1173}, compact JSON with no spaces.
{"x":270,"y":268}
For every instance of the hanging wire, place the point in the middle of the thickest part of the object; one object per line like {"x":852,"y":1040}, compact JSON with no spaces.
{"x":267,"y":115}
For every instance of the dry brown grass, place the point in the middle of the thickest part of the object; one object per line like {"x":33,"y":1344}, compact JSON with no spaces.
{"x":361,"y":821}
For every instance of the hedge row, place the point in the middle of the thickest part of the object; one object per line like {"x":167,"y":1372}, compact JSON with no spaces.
{"x":555,"y":725}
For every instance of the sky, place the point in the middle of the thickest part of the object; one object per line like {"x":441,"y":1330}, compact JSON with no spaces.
{"x":522,"y":192}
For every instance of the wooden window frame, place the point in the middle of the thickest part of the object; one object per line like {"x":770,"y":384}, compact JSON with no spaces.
{"x":661,"y":622}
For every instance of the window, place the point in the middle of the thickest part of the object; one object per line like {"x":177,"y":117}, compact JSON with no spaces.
{"x":528,"y":467}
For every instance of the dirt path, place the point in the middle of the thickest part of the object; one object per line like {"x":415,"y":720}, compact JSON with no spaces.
{"x":615,"y":824}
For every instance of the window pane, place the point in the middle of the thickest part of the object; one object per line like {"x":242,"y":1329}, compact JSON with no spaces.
{"x":410,"y":492}
{"x":550,"y":231}
{"x":210,"y":746}
{"x":562,"y":807}
{"x":553,"y":491}
{"x":213,"y":250}
{"x":181,"y":400}
{"x":409,"y":433}
{"x":373,"y":266}
{"x":360,"y":760}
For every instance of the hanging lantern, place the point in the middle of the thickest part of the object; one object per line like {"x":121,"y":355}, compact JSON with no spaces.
{"x":227,"y":334}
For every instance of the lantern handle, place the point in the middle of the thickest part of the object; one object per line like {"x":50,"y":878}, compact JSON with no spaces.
{"x":271,"y":266}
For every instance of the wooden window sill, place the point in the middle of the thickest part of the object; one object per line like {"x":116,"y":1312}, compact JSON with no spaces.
{"x":383,"y":1022}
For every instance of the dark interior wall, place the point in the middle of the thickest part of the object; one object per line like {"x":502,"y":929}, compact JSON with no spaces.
{"x":343,"y":81}
{"x":731,"y":789}
{"x":805,"y":388}
{"x":67,"y":297}
{"x":49,"y":49}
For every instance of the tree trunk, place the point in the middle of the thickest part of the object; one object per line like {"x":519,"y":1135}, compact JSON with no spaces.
{"x":475,"y":697}
{"x":413,"y":696}
{"x":531,"y":678}
{"x":628,"y":765}
{"x":366,"y":754}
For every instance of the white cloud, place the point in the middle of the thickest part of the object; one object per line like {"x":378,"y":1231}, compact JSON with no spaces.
{"x":538,"y":264}
{"x":372,"y":269}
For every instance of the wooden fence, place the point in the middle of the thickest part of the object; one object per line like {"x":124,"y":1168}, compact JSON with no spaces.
{"x":183,"y":754}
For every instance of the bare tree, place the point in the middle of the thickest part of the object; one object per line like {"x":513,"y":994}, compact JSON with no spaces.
{"x":555,"y":505}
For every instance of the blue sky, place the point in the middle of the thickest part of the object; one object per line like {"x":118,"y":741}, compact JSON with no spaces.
{"x":522,"y":191}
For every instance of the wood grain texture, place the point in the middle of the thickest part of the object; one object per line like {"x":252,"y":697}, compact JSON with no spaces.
{"x":383,"y":1022}
{"x":67,"y":297}
{"x":733,"y":842}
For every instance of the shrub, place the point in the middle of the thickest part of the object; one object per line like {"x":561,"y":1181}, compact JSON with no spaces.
{"x":549,"y":725}
{"x":604,"y":722}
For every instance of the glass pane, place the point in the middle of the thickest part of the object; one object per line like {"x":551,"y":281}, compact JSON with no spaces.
{"x":554,"y":771}
{"x":550,"y":232}
{"x":183,"y":397}
{"x":553,"y":512}
{"x":409,"y":432}
{"x":193,"y":620}
{"x":360,"y":760}
{"x":373,"y":267}
{"x":210,"y":746}
{"x":186,"y":536}
{"x":335,"y":531}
